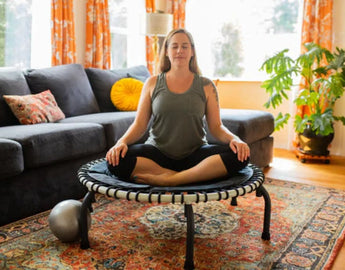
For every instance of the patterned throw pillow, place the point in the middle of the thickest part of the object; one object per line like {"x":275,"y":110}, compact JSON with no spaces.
{"x":34,"y":109}
{"x":125,"y":94}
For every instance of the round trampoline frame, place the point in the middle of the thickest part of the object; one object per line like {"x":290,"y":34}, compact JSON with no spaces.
{"x":254,"y":183}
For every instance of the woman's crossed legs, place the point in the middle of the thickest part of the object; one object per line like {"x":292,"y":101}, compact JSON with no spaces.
{"x":144,"y":163}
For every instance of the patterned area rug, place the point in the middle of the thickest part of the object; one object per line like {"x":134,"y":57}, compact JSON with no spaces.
{"x":307,"y":231}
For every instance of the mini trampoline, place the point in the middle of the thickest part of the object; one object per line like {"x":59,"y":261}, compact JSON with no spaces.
{"x":97,"y":179}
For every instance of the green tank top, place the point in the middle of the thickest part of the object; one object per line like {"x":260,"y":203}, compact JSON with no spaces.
{"x":178,"y":127}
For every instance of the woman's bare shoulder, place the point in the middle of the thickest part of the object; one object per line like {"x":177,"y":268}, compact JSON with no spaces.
{"x":207,"y":82}
{"x":150,"y":84}
{"x":151,"y":80}
{"x":209,"y":86}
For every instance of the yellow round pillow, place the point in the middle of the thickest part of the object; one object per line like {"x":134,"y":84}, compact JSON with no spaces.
{"x":125,"y":94}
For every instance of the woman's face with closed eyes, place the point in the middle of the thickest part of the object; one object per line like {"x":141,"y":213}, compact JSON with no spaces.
{"x":179,"y":50}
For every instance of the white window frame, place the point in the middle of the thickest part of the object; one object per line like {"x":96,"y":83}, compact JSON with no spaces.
{"x":40,"y":53}
{"x":136,"y":46}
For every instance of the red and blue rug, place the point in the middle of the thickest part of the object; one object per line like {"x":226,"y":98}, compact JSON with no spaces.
{"x":307,"y":231}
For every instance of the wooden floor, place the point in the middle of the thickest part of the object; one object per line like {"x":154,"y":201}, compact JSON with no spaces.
{"x":286,"y":166}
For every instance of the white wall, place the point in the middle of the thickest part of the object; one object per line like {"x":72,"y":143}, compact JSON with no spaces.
{"x":338,"y":144}
{"x":249,"y":95}
{"x":80,"y":20}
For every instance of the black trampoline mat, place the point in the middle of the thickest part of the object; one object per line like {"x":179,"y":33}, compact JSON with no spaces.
{"x":99,"y":172}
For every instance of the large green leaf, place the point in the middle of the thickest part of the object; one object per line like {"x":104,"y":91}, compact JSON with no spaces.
{"x":277,"y":86}
{"x":301,"y":123}
{"x":281,"y":120}
{"x":322,"y":123}
{"x":323,"y":77}
{"x":340,"y":118}
{"x":338,"y":61}
{"x":277,"y":63}
{"x":336,"y":85}
{"x":307,"y":97}
{"x":315,"y":53}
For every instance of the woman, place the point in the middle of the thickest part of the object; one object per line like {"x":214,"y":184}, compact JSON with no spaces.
{"x":176,"y":151}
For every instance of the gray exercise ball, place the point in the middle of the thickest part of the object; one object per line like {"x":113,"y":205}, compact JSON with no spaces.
{"x":64,"y":220}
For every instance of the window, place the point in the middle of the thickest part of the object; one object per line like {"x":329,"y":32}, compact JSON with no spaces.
{"x":127,"y":38}
{"x":233,"y":38}
{"x":25,"y":33}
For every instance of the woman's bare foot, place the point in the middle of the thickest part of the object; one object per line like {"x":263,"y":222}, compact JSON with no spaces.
{"x":150,"y":173}
{"x":164,"y":179}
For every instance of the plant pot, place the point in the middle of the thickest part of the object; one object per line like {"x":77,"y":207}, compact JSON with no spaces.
{"x":312,"y":144}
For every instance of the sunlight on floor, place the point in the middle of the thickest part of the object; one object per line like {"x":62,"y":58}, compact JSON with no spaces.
{"x":286,"y":166}
{"x":283,"y":164}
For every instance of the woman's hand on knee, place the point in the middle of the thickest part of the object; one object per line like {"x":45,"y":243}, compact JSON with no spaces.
{"x":240,"y":148}
{"x":114,"y":154}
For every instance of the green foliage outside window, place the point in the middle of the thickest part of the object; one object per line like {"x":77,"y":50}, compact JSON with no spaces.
{"x":285,"y":16}
{"x":15,"y":32}
{"x":228,"y":52}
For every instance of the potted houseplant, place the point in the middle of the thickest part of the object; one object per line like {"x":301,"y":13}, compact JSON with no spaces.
{"x":321,"y":78}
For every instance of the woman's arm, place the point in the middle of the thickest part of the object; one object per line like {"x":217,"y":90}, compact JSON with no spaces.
{"x":137,"y":129}
{"x":215,"y":125}
{"x":139,"y":126}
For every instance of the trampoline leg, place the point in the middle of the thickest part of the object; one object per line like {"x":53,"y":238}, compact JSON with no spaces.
{"x":189,"y":262}
{"x":86,"y":205}
{"x":261,"y":191}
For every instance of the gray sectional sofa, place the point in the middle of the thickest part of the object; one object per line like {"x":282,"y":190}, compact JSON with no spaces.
{"x":39,"y":163}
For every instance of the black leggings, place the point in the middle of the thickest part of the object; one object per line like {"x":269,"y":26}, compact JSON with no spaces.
{"x":127,"y":164}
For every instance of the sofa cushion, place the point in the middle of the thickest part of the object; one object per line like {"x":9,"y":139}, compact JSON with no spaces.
{"x":49,"y":143}
{"x":103,"y":80}
{"x":35,"y":109}
{"x":249,"y":125}
{"x":138,"y":72}
{"x":125,"y":94}
{"x":69,"y":85}
{"x":11,"y":158}
{"x":12,"y":82}
{"x":115,"y":124}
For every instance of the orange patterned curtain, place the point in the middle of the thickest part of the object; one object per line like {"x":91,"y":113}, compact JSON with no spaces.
{"x":177,"y":8}
{"x":98,"y":39}
{"x":150,"y":8}
{"x":317,"y":28}
{"x":63,"y":33}
{"x":317,"y":22}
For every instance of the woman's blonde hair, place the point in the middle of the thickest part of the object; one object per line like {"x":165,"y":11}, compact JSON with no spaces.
{"x":164,"y":62}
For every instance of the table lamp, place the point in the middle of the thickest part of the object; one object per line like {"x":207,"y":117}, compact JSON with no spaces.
{"x":157,"y":24}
